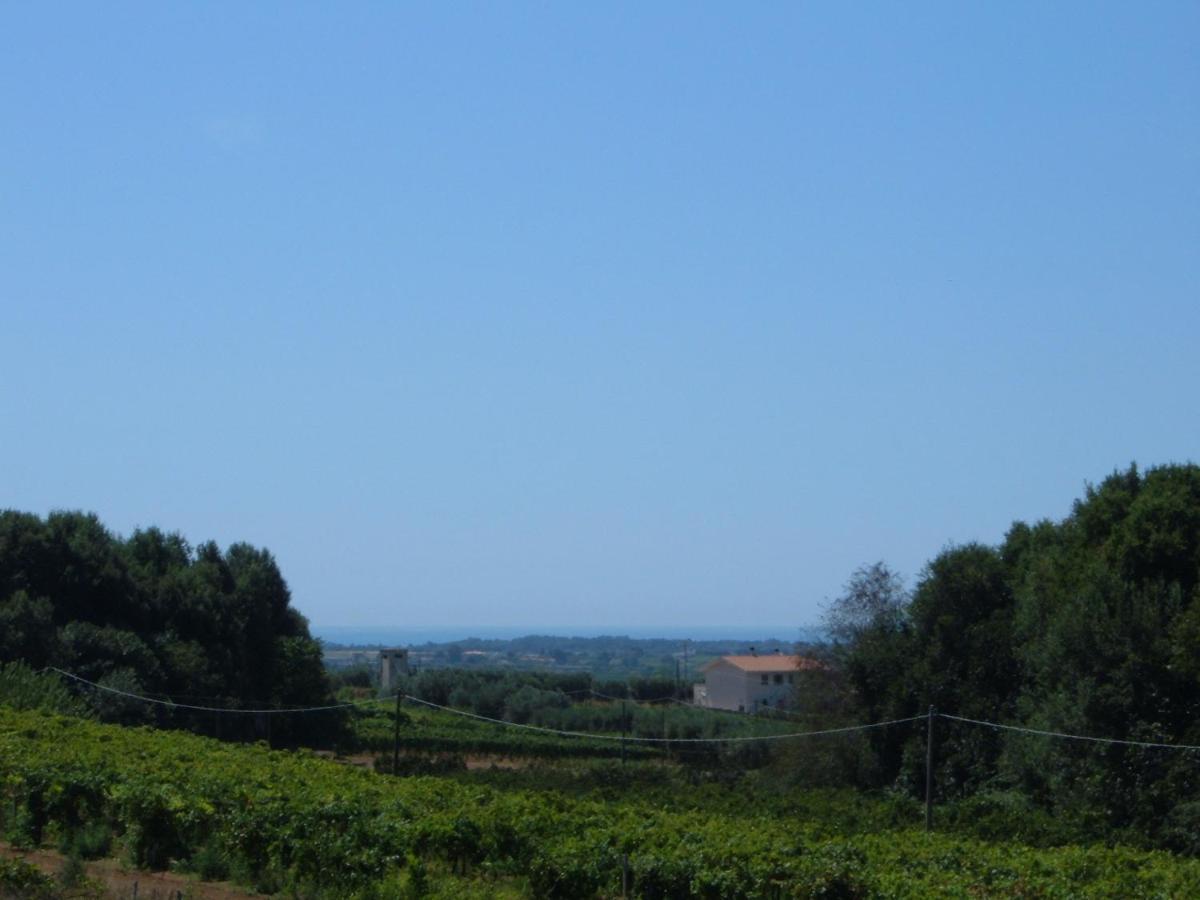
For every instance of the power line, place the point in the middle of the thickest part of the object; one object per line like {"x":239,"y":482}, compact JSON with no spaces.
{"x":659,"y":740}
{"x":609,"y":737}
{"x":270,"y":710}
{"x":1069,"y":737}
{"x":463,"y":713}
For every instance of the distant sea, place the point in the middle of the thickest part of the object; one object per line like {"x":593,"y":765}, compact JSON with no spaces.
{"x":443,"y":634}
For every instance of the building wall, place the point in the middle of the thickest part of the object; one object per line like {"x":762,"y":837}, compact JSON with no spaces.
{"x":726,"y":687}
{"x":729,"y":687}
{"x":392,"y":665}
{"x":774,"y":694}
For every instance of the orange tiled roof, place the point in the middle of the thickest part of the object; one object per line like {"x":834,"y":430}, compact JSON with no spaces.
{"x":766,"y":662}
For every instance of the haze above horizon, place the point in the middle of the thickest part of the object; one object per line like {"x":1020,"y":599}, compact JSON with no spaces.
{"x":649,"y":315}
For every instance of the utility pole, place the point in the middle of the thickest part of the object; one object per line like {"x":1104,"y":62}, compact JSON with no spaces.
{"x":929,"y":771}
{"x":623,"y":724}
{"x":396,"y":735}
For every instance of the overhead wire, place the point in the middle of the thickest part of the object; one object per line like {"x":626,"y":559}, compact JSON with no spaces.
{"x":1067,"y":736}
{"x":268,"y":710}
{"x":623,"y":738}
{"x":501,"y":722}
{"x":660,"y":740}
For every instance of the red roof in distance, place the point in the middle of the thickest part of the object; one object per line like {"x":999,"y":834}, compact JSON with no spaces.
{"x":766,"y":662}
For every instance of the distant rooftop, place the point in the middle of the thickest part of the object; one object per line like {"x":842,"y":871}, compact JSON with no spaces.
{"x":766,"y":662}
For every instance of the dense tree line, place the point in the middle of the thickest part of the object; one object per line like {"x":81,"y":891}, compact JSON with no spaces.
{"x":150,"y":614}
{"x":614,"y":658}
{"x":1089,"y":625}
{"x":511,"y":695}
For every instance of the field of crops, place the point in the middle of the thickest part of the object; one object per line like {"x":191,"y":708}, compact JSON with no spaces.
{"x":291,"y":820}
{"x":675,"y":732}
{"x":428,"y":731}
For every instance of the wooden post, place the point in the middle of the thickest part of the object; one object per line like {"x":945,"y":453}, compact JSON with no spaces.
{"x":929,"y":770}
{"x":396,"y":737}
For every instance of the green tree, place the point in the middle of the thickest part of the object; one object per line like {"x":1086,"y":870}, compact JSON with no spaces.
{"x":874,"y":599}
{"x":962,"y":661}
{"x":1106,"y":626}
{"x":27,"y":629}
{"x":869,"y":624}
{"x":149,"y":614}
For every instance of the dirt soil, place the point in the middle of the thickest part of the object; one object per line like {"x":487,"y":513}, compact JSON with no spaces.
{"x":472,"y":760}
{"x":122,"y":883}
{"x":499,"y":762}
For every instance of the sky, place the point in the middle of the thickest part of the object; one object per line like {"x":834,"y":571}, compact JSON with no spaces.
{"x":608,"y":316}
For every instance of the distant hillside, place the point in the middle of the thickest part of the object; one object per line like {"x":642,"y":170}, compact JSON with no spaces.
{"x":605,"y":656}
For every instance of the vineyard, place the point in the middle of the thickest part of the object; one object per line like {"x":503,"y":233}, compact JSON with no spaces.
{"x":653,"y":731}
{"x":293,"y":821}
{"x":426,"y":731}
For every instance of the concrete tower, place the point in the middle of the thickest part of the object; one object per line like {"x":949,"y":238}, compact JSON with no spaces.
{"x":392,"y":664}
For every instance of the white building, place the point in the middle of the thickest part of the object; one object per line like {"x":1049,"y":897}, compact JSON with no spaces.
{"x":748,"y":683}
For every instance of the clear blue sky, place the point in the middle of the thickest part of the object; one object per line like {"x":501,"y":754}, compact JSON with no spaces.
{"x":593,"y":314}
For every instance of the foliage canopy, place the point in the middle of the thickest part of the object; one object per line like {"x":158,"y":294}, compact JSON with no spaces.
{"x":1089,"y":625}
{"x":151,"y":615}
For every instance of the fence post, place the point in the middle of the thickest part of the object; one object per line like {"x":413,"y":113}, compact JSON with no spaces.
{"x":929,"y":770}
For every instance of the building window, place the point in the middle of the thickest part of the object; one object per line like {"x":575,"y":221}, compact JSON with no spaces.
{"x":790,"y":679}
{"x":764,"y":680}
{"x":779,"y":679}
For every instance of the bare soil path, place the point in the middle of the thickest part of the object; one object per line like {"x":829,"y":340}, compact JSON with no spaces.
{"x":122,"y":883}
{"x":472,"y":760}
